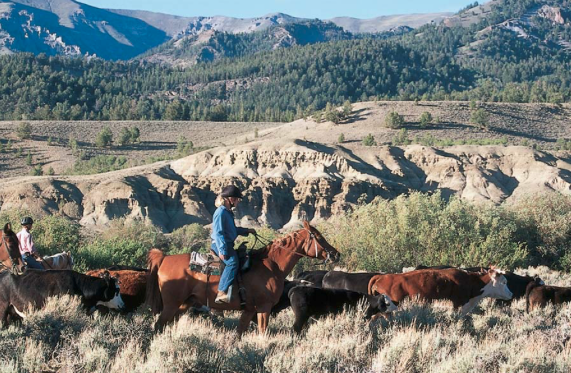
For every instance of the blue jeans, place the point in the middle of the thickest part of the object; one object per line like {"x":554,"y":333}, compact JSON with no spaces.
{"x":230,"y":271}
{"x":31,"y":262}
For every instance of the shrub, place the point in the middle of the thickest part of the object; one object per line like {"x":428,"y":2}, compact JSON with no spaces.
{"x":51,"y":171}
{"x":185,"y":147}
{"x":401,"y":138}
{"x":341,"y":138}
{"x":425,"y":119}
{"x":104,"y":138}
{"x":124,"y":136}
{"x":369,"y":140}
{"x":24,"y":130}
{"x":480,"y":118}
{"x":189,"y":238}
{"x":135,"y":135}
{"x":98,"y":164}
{"x":55,"y":234}
{"x":37,"y":170}
{"x":420,"y":229}
{"x":394,"y":120}
{"x":29,"y":159}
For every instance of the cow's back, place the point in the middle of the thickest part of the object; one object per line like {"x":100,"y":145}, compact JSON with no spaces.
{"x":452,"y":284}
{"x":357,"y":282}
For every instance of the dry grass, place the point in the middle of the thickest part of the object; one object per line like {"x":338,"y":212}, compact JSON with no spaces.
{"x":419,"y":338}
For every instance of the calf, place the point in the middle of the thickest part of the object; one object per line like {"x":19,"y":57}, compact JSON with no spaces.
{"x":358,"y":282}
{"x":464,"y":289}
{"x":17,"y":293}
{"x":538,"y":295}
{"x":308,"y":301}
{"x":132,"y":286}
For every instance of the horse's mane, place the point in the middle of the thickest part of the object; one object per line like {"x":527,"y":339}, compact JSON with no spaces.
{"x":263,"y":252}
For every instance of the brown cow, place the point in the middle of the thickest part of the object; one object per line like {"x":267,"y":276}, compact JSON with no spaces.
{"x":538,"y":295}
{"x":464,"y":289}
{"x":132,"y":286}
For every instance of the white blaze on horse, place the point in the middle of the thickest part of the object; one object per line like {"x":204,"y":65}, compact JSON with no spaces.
{"x":59,"y":261}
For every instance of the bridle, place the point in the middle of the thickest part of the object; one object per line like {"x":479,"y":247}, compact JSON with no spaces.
{"x":13,"y":269}
{"x":311,"y":237}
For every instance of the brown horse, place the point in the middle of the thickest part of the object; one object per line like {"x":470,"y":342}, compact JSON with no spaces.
{"x":172,"y":288}
{"x":10,"y":257}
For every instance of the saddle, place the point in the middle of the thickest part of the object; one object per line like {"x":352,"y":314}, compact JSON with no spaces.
{"x":211,"y":264}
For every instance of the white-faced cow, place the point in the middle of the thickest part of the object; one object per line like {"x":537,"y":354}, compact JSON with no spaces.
{"x":308,"y":301}
{"x":31,"y":289}
{"x":464,"y":289}
{"x":132,"y":285}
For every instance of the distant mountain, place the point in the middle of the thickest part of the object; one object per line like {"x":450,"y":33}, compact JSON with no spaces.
{"x":211,"y":45}
{"x":66,"y":27}
{"x":177,"y":27}
{"x":386,"y":23}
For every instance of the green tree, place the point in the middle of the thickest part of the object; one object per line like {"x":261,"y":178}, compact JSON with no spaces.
{"x":24,"y":130}
{"x":135,"y":135}
{"x":394,"y":120}
{"x":369,"y":140}
{"x":125,"y":136}
{"x":174,"y":111}
{"x":37,"y":170}
{"x":104,"y":138}
{"x":51,"y":171}
{"x":480,"y":118}
{"x":347,"y":108}
{"x":401,"y":138}
{"x":425,"y":119}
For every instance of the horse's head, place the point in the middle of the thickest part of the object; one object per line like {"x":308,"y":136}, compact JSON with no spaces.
{"x":318,"y":247}
{"x":10,"y":243}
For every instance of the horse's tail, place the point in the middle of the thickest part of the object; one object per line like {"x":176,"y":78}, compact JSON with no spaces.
{"x":153,"y":297}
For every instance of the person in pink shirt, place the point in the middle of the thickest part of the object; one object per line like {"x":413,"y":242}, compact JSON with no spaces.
{"x":27,"y":248}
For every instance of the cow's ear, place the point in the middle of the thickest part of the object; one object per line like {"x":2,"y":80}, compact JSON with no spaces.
{"x":306,"y":225}
{"x":106,"y":276}
{"x":7,"y":228}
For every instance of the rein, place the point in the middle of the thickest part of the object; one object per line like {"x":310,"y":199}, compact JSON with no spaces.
{"x":266,"y":241}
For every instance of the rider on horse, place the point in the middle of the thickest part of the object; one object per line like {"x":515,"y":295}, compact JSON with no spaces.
{"x":27,"y":248}
{"x":224,"y":233}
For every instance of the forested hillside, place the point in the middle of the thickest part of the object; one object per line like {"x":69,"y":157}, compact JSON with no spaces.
{"x":512,"y":51}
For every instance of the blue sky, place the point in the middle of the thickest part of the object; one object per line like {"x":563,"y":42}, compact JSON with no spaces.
{"x":322,"y":9}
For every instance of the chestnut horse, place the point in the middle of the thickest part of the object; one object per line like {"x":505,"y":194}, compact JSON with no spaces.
{"x":10,"y":257}
{"x":172,"y":288}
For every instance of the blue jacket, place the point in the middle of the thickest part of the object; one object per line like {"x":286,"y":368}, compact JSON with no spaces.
{"x":224,"y":231}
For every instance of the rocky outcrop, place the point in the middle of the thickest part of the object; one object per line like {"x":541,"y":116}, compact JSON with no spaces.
{"x":285,"y":183}
{"x":551,"y":13}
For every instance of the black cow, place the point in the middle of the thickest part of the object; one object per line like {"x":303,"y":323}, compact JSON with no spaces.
{"x":32,"y":288}
{"x":516,"y":283}
{"x":358,"y":282}
{"x":314,"y":277}
{"x":309,"y":301}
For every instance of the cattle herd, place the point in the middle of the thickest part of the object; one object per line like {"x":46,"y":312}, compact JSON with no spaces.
{"x":310,"y":294}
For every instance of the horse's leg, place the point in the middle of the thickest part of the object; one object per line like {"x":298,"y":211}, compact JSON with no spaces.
{"x":245,"y":321}
{"x":263,"y":319}
{"x":167,"y":315}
